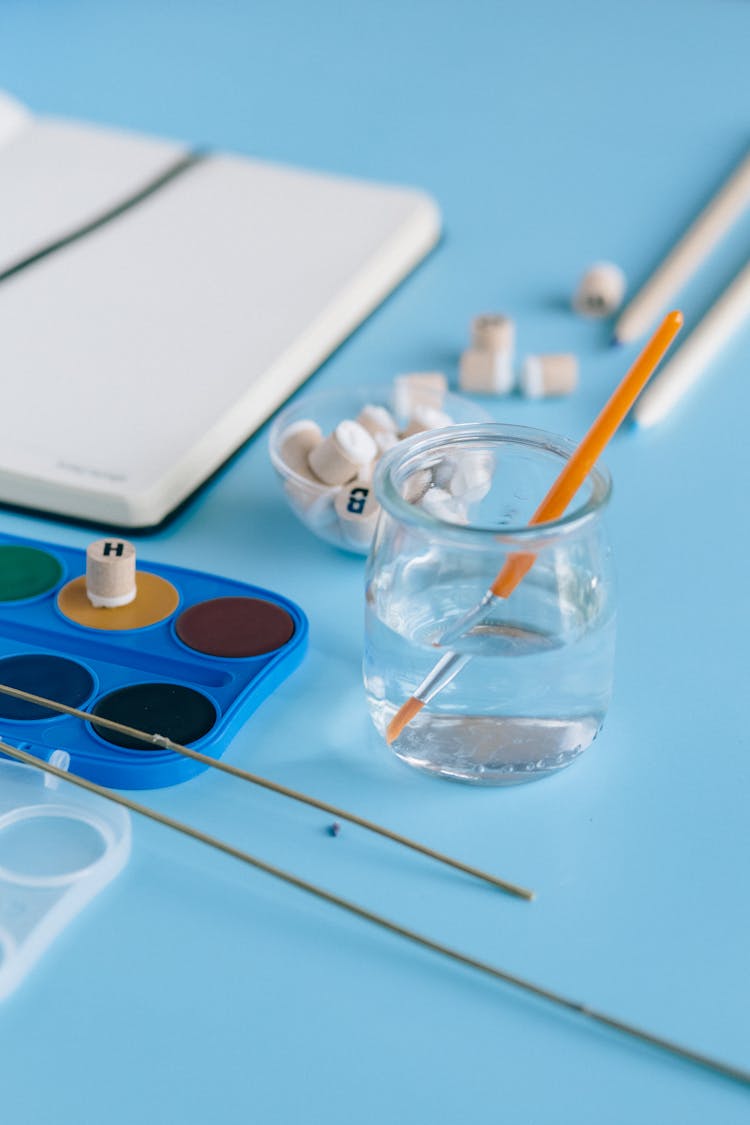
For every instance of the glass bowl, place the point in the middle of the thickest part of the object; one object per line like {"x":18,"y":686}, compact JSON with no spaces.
{"x":315,"y":503}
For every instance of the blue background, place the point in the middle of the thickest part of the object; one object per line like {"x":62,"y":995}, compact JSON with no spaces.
{"x":194,"y":990}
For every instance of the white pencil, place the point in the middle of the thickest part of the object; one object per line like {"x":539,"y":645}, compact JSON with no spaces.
{"x":682,"y":262}
{"x":689,"y":362}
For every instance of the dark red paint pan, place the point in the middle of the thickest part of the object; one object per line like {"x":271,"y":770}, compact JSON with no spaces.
{"x":235,"y":627}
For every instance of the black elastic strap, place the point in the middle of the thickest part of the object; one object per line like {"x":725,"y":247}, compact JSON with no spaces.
{"x":184,"y":164}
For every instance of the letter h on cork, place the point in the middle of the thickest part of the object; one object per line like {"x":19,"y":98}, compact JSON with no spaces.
{"x":110,"y":573}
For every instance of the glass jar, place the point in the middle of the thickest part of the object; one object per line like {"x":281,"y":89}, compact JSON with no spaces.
{"x":535,"y":677}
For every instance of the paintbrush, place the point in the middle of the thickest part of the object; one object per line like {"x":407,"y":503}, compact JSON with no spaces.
{"x":552,"y":507}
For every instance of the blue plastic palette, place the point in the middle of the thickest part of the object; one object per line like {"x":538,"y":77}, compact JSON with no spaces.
{"x":161,"y":677}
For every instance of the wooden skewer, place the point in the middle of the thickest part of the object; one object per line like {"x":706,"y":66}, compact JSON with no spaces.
{"x":553,"y":505}
{"x":686,"y":1054}
{"x":730,"y":313}
{"x":713,"y":223}
{"x":273,"y":786}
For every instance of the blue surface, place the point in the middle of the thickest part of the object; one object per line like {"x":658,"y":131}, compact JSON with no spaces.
{"x":152,"y":654}
{"x":193,"y":990}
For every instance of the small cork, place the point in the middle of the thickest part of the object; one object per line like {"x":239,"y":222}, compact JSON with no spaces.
{"x":415,"y":485}
{"x":424,"y":417}
{"x":385,"y":442}
{"x":440,"y":503}
{"x":418,"y":388}
{"x":466,"y":474}
{"x":297,"y":443}
{"x":340,"y":456}
{"x":110,"y":573}
{"x":377,"y":420}
{"x":358,"y":512}
{"x":366,"y":473}
{"x":485,"y":372}
{"x":543,"y":376}
{"x":600,"y":291}
{"x":493,"y":332}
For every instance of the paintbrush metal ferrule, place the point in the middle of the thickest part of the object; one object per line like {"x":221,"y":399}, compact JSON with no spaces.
{"x":473,"y":617}
{"x":448,"y":666}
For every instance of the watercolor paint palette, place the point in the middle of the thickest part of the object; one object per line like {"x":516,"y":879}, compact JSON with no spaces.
{"x":190,"y":659}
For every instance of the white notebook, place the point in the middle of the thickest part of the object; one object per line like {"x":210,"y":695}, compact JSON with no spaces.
{"x":137,"y":356}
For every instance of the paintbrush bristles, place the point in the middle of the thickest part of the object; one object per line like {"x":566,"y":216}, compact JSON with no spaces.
{"x":402,"y":718}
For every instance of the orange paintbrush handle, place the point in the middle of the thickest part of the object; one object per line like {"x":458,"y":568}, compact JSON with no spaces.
{"x":588,"y":452}
{"x":552,"y":507}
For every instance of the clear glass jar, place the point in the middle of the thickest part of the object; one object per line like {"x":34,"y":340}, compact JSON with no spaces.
{"x":534,"y":693}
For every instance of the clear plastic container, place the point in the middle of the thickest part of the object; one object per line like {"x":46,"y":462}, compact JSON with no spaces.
{"x":536,"y":688}
{"x":59,"y":846}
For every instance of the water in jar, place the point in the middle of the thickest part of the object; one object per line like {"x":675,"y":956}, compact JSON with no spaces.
{"x":535,"y":692}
